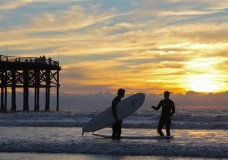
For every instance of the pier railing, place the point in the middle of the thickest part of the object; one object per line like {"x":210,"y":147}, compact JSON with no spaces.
{"x":40,"y":59}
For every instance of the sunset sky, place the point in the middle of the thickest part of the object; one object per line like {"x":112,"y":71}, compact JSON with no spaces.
{"x":140,"y":45}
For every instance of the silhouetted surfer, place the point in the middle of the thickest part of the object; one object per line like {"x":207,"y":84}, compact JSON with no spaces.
{"x":168,"y":109}
{"x":116,"y":127}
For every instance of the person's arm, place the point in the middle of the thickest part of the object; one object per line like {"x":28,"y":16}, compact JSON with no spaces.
{"x":158,"y":106}
{"x":114,"y":104}
{"x":173,"y":109}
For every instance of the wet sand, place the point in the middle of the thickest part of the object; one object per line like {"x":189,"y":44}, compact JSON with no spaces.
{"x":47,"y":156}
{"x":57,"y":142}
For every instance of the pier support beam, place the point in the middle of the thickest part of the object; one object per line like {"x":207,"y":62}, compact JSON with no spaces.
{"x":2,"y":98}
{"x":47,"y":104}
{"x":5,"y":87}
{"x":2,"y":92}
{"x":13,"y":107}
{"x":26,"y":90}
{"x":37,"y":91}
{"x":57,"y":103}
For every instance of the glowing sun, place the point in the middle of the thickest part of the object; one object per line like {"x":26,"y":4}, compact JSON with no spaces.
{"x":203,"y":84}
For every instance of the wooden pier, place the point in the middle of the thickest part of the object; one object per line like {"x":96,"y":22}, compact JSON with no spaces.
{"x":28,"y":73}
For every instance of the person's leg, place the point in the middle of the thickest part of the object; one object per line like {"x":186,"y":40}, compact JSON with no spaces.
{"x":167,"y":126}
{"x":114,"y":131}
{"x":160,"y":126}
{"x":119,"y":129}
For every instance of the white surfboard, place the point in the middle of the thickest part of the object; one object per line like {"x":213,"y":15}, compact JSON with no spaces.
{"x":123,"y":109}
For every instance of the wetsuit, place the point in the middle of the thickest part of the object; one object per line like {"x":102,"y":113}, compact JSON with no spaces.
{"x":168,"y":109}
{"x":116,"y":127}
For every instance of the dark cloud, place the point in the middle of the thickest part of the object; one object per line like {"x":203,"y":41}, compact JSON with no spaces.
{"x":198,"y":99}
{"x":204,"y":36}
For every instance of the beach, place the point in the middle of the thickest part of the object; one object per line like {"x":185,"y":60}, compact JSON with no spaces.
{"x":36,"y":156}
{"x":58,"y":135}
{"x":186,"y":143}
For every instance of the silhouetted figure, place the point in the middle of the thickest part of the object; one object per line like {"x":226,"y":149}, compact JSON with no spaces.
{"x":116,"y":127}
{"x":168,"y":109}
{"x":49,"y":60}
{"x":43,"y":59}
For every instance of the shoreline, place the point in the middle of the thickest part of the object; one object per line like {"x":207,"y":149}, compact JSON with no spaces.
{"x":71,"y":156}
{"x":91,"y":155}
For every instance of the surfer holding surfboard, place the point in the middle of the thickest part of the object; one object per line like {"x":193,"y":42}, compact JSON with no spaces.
{"x":114,"y":114}
{"x":116,"y":127}
{"x":168,"y":109}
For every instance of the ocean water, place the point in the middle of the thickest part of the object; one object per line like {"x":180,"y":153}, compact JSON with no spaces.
{"x":199,"y":132}
{"x":184,"y":118}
